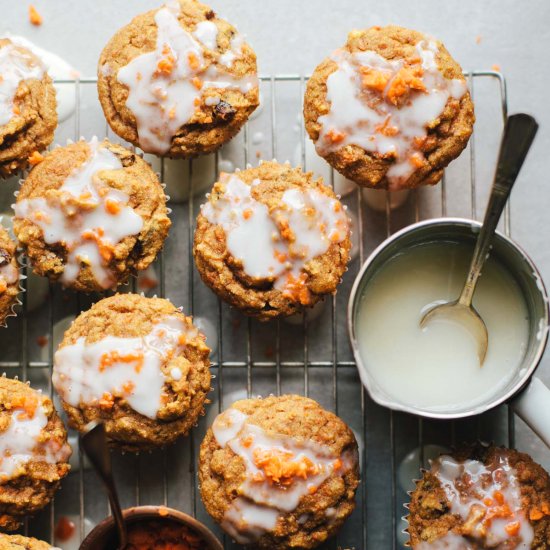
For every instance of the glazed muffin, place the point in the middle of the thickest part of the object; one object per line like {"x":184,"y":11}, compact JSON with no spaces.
{"x":137,"y":364}
{"x":178,"y":81}
{"x":28,"y":115}
{"x":9,"y":276}
{"x":18,"y":542}
{"x":390,"y":109}
{"x":34,"y":452}
{"x":272,"y":240}
{"x":481,"y":497}
{"x":286,"y":465}
{"x":90,"y":215}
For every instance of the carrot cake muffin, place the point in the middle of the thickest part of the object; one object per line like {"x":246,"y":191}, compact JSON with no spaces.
{"x":9,"y":275}
{"x":27,"y":107}
{"x":34,"y":452}
{"x":18,"y":542}
{"x":390,"y":109}
{"x":137,"y":364}
{"x":177,"y":81}
{"x":272,"y":240}
{"x":481,"y":497}
{"x":279,"y":472}
{"x":90,"y":215}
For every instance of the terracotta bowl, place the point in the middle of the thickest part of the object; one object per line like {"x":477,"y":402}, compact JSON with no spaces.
{"x":103,"y":536}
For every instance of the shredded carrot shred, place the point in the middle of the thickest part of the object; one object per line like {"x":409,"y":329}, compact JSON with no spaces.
{"x":194,"y":62}
{"x":535,"y":514}
{"x":35,"y":158}
{"x":280,"y":468}
{"x":296,"y":289}
{"x":112,"y":357}
{"x":34,"y":17}
{"x":334,"y":136}
{"x":512,"y":528}
{"x":247,"y":214}
{"x":3,"y":286}
{"x":112,"y":206}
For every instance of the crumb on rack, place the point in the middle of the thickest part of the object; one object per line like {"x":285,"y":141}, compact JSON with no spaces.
{"x":42,"y":341}
{"x":479,"y":38}
{"x":34,"y":17}
{"x":495,"y":67}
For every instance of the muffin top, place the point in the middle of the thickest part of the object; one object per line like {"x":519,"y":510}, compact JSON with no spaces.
{"x":271,"y":239}
{"x":27,"y":106}
{"x":9,"y":275}
{"x":91,"y":213}
{"x":279,"y":472}
{"x":394,"y":99}
{"x":18,"y":542}
{"x":174,"y":72}
{"x":130,"y":357}
{"x":489,"y":496}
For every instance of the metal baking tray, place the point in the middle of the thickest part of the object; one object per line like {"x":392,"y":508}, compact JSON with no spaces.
{"x":312,"y":357}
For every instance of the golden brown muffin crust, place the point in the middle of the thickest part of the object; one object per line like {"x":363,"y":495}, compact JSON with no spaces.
{"x":8,"y":256}
{"x":130,"y":316}
{"x":430,"y":517}
{"x":136,"y":179}
{"x":447,"y":137}
{"x":224,"y":274}
{"x":211,"y":126}
{"x":33,"y":128}
{"x":33,"y":489}
{"x":18,"y":542}
{"x":221,"y":471}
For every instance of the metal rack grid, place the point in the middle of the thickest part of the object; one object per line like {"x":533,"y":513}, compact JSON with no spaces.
{"x":311,"y":358}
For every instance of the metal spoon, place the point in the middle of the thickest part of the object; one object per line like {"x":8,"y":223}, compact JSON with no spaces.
{"x":94,"y":443}
{"x":518,"y":136}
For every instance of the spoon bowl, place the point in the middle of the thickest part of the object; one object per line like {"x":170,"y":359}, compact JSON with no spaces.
{"x":463,"y":316}
{"x":519,"y":133}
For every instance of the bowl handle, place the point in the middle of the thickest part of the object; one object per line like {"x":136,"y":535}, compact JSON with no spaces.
{"x":532,"y":405}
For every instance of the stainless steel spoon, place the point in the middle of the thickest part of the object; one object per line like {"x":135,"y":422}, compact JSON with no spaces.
{"x":518,"y":136}
{"x":94,"y":444}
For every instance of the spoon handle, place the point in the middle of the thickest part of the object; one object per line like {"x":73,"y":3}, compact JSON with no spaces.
{"x":518,"y":136}
{"x":94,"y":443}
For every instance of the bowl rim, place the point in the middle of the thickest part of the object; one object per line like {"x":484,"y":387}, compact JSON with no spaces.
{"x":151,"y":512}
{"x":396,"y":405}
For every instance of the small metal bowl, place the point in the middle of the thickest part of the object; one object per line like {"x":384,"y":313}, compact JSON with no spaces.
{"x":104,"y":536}
{"x":511,"y":256}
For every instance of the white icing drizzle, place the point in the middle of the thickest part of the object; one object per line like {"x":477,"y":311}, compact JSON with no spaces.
{"x":129,"y":368}
{"x":277,"y":245}
{"x":167,"y":84}
{"x":280,"y":470}
{"x":16,"y":65}
{"x":88,"y":216}
{"x":488,"y":501}
{"x":206,"y":32}
{"x":20,"y":442}
{"x":386,"y":107}
{"x":234,"y":52}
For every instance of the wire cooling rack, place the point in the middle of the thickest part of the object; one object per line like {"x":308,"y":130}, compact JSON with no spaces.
{"x":309,"y":355}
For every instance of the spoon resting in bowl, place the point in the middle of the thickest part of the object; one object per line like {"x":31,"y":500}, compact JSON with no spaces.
{"x":518,"y":136}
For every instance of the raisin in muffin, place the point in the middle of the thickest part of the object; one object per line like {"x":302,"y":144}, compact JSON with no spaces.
{"x":390,"y":109}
